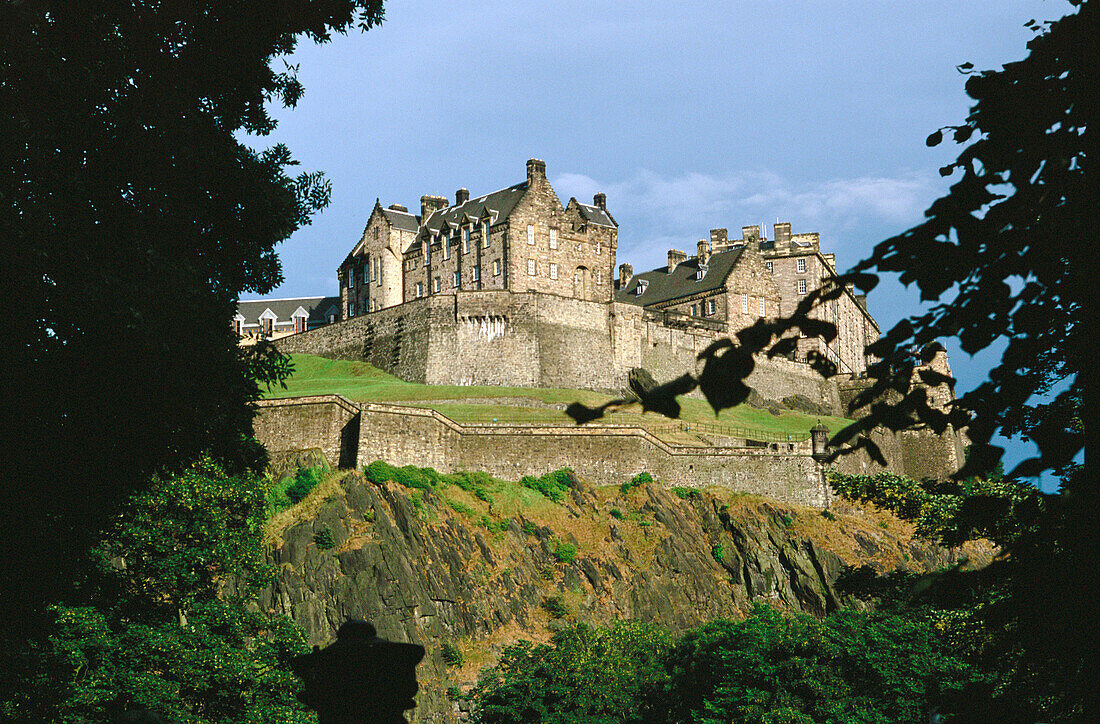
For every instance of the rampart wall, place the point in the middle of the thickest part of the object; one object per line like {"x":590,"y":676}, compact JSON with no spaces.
{"x":602,"y":454}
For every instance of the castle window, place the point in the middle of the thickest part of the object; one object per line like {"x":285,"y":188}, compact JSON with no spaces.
{"x":599,"y":276}
{"x":446,"y":241}
{"x":437,"y":284}
{"x":427,"y":251}
{"x":763,"y":308}
{"x":238,"y":327}
{"x":530,"y":234}
{"x":378,"y":271}
{"x":553,"y":271}
{"x":801,"y":266}
{"x":710,"y":304}
{"x":485,"y":234}
{"x":420,"y":289}
{"x":351,"y":309}
{"x":465,"y":241}
{"x":744,"y":304}
{"x":496,"y":267}
{"x":694,"y":310}
{"x":801,"y":286}
{"x":553,"y":239}
{"x":457,"y":279}
{"x":332,"y":319}
{"x":531,"y":267}
{"x":599,"y":247}
{"x":770,"y":266}
{"x":477,"y":273}
{"x":376,"y":233}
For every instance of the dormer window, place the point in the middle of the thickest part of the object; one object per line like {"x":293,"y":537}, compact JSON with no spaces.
{"x":701,"y":273}
{"x":642,"y":285}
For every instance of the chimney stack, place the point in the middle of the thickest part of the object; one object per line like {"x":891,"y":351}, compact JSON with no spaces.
{"x":626,"y":273}
{"x":782,"y":233}
{"x":719,"y":239}
{"x":428,"y":204}
{"x":704,"y":251}
{"x":675,"y":256}
{"x":535,"y":169}
{"x":750,"y":233}
{"x":600,"y":200}
{"x":462,"y":196}
{"x":398,"y":207}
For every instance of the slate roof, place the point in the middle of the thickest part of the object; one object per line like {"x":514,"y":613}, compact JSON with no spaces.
{"x":664,"y":287}
{"x":502,"y":202}
{"x":251,"y":309}
{"x":596,"y":215}
{"x":401,"y":219}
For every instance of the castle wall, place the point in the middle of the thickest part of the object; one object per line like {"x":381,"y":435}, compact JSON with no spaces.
{"x":603,"y":455}
{"x":326,"y":421}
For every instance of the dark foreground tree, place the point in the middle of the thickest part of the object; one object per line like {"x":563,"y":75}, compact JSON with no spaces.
{"x":162,"y":618}
{"x":133,"y":218}
{"x":775,"y":668}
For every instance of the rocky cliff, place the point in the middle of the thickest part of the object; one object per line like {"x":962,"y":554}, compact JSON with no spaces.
{"x":459,"y":571}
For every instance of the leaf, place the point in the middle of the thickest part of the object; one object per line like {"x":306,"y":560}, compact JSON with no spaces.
{"x":934,"y":139}
{"x":725,"y":366}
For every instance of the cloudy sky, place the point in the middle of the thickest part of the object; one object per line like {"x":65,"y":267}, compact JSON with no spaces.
{"x":689,"y":116}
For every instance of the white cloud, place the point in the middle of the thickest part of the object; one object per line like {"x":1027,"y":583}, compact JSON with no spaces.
{"x":655,"y":212}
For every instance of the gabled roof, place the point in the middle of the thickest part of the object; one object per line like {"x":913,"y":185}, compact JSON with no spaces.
{"x":401,"y":219}
{"x":501,"y":202}
{"x":284,"y":309}
{"x":595,"y":215}
{"x":664,"y":287}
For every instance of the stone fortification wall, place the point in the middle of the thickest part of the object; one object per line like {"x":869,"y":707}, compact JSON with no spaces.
{"x":602,"y":454}
{"x":329,"y":422}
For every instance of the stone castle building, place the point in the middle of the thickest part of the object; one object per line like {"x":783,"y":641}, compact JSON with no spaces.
{"x":515,"y":288}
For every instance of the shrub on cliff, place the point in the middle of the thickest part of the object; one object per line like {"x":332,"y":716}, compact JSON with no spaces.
{"x":163,"y":620}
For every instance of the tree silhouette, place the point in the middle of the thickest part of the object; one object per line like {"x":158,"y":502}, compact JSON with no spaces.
{"x":134,"y":217}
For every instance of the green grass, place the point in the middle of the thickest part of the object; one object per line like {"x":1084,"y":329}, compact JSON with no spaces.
{"x":362,"y":382}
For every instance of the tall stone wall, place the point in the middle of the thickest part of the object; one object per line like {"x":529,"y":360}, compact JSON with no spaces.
{"x":329,"y":422}
{"x":602,"y":454}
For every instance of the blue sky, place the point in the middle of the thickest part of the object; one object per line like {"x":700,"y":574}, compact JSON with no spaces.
{"x":688,"y":116}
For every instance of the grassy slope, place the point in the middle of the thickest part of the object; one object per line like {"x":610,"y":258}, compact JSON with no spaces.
{"x":362,"y":382}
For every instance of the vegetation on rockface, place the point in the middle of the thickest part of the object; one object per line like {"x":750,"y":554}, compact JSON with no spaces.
{"x":770,"y":668}
{"x":163,"y":620}
{"x":587,"y":675}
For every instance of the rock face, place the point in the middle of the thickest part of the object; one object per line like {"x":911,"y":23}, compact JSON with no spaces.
{"x":444,"y":568}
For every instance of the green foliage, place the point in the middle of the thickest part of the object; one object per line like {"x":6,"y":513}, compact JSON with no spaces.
{"x":529,"y":528}
{"x":951,"y":512}
{"x":786,"y":520}
{"x":637,"y":481}
{"x":827,"y":515}
{"x":686,"y":493}
{"x":154,"y":626}
{"x":718,"y":552}
{"x":323,"y":538}
{"x":555,"y":606}
{"x":565,"y":552}
{"x":306,"y":480}
{"x":410,"y":476}
{"x":553,"y":485}
{"x":111,"y":382}
{"x":617,"y":514}
{"x":586,"y":675}
{"x":771,"y":667}
{"x":451,"y":654}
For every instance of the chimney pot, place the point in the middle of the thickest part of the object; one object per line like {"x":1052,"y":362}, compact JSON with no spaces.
{"x":462,"y":196}
{"x":626,"y":273}
{"x":600,"y":200}
{"x":704,"y":251}
{"x":675,"y":256}
{"x":536,"y":168}
{"x":398,"y":207}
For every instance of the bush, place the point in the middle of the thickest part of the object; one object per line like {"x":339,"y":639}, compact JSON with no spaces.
{"x":617,"y":514}
{"x":786,"y":520}
{"x":529,"y":528}
{"x":304,"y":481}
{"x":452,"y":655}
{"x":565,"y":552}
{"x":553,"y":485}
{"x":410,"y":476}
{"x":323,"y":538}
{"x":718,"y":553}
{"x":827,"y":515}
{"x":638,"y":480}
{"x":686,"y":493}
{"x":555,"y":606}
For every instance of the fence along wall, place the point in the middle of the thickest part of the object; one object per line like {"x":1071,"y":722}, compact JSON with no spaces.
{"x":602,"y":454}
